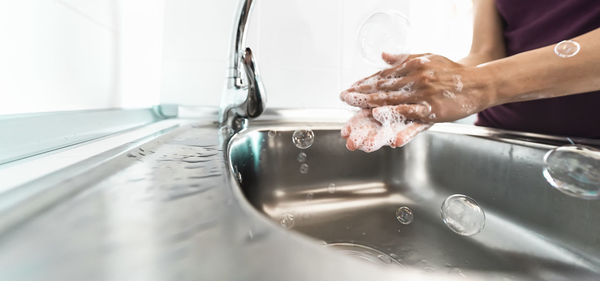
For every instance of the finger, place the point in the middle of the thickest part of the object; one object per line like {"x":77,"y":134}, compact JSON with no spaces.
{"x":346,"y":131}
{"x":388,"y":115}
{"x":366,"y":85}
{"x":350,"y":145}
{"x":410,"y":65}
{"x":382,"y":98}
{"x":395,"y":112}
{"x":356,"y":99}
{"x":393,"y":59}
{"x":391,"y":84}
{"x":371,"y":143}
{"x":411,"y":131}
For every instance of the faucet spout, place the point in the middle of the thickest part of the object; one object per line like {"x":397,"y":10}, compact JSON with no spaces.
{"x":245,"y":95}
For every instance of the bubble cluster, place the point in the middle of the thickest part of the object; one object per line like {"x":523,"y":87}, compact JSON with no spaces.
{"x":303,"y":139}
{"x":574,"y":170}
{"x":287,"y":221}
{"x":383,"y":32}
{"x":567,"y":48}
{"x":404,"y":215}
{"x":463,"y":215}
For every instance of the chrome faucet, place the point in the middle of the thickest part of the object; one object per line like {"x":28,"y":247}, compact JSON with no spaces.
{"x":243,"y":98}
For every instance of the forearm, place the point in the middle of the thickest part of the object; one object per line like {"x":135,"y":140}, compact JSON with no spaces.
{"x":474,"y":59}
{"x":540,"y":73}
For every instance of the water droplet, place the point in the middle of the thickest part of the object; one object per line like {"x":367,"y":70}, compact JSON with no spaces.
{"x":404,"y":215}
{"x":227,"y":131}
{"x":309,"y":196}
{"x":364,"y":253}
{"x":271,"y":134}
{"x":303,"y":139}
{"x":567,"y":48}
{"x":573,"y":170}
{"x":331,"y":188}
{"x":463,"y":215}
{"x":301,"y":157}
{"x":287,"y":221}
{"x":385,"y":259}
{"x":304,"y":169}
{"x":239,"y":177}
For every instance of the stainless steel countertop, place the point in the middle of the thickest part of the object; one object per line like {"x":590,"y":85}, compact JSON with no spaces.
{"x":169,"y":210}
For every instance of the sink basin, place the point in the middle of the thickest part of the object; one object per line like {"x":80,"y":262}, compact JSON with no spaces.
{"x":350,"y":199}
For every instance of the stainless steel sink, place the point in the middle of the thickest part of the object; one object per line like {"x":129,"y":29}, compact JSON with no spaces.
{"x":350,"y":198}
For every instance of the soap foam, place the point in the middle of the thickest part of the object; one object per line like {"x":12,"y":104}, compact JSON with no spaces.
{"x":356,"y":99}
{"x":385,"y":126}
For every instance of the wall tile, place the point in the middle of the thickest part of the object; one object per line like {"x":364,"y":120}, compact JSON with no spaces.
{"x":193,"y":82}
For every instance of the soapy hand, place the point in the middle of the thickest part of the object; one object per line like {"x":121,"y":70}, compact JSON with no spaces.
{"x":426,"y":88}
{"x":405,"y":99}
{"x":370,"y":129}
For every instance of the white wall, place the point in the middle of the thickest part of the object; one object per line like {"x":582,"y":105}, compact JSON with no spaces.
{"x":306,"y":49}
{"x":60,"y":55}
{"x":85,"y":54}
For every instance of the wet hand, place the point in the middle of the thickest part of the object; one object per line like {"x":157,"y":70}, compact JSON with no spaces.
{"x":426,"y":88}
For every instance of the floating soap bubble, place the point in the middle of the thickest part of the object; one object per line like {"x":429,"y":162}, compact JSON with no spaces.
{"x":567,"y":48}
{"x":304,"y":169}
{"x":287,"y":221}
{"x":303,"y":139}
{"x":463,"y":215}
{"x":383,"y":32}
{"x":301,"y":157}
{"x":331,"y":188}
{"x":574,"y":170}
{"x":404,"y":215}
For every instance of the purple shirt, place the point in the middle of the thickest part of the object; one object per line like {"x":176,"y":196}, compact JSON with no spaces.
{"x":531,"y":24}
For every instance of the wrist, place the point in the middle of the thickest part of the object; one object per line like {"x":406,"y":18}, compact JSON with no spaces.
{"x":487,"y":86}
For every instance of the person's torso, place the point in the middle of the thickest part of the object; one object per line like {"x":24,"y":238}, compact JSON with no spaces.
{"x":531,"y":24}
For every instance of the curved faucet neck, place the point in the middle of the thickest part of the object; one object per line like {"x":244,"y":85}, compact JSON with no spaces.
{"x":244,"y":96}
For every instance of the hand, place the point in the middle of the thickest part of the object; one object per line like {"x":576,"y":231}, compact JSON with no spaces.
{"x":370,"y":129}
{"x":426,"y":88}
